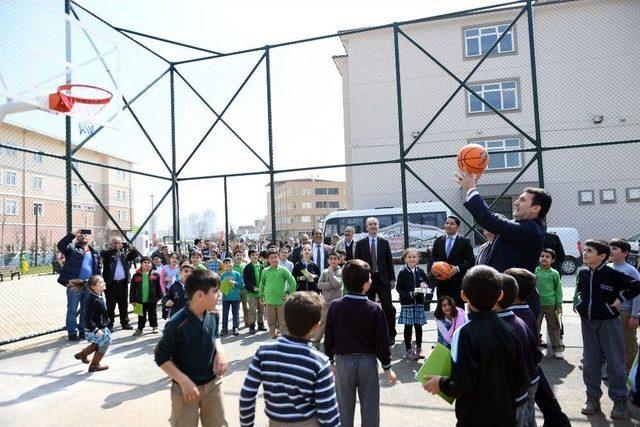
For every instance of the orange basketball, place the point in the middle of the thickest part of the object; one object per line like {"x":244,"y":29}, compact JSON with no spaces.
{"x":473,"y":159}
{"x":441,"y":270}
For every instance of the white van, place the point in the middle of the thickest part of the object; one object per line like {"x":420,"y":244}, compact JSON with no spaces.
{"x":572,"y":248}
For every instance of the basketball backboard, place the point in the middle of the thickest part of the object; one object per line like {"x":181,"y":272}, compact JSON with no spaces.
{"x":43,"y":48}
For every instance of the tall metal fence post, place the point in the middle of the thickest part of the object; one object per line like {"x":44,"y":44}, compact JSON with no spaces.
{"x":174,"y":177}
{"x":534,"y":89}
{"x":403,"y":180}
{"x":272,"y":186}
{"x":67,"y":124}
{"x":226,"y":217}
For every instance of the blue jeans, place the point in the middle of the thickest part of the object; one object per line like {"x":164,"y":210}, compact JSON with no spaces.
{"x":75,"y":297}
{"x":235,"y":307}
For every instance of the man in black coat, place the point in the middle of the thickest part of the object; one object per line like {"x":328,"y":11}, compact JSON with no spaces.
{"x":376,"y":251}
{"x":296,"y":253}
{"x":457,"y":251}
{"x":518,"y":243}
{"x":117,"y":274}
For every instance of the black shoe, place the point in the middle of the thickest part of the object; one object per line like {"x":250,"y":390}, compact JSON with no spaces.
{"x":252,"y":330}
{"x":125,"y":326}
{"x":81,"y":335}
{"x":73,"y":337}
{"x":110,"y":326}
{"x":223,"y":333}
{"x":235,"y":332}
{"x":261,"y":327}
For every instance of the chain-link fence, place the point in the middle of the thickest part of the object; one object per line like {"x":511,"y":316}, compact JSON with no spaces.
{"x":266,"y":144}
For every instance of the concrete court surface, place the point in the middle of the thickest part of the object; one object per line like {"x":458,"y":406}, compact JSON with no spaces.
{"x":43,"y":385}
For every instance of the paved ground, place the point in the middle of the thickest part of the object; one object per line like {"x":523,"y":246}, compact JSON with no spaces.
{"x":43,"y":385}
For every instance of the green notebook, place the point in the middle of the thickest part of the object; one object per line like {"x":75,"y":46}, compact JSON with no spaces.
{"x":438,"y":363}
{"x":137,"y":308}
{"x":226,"y":287}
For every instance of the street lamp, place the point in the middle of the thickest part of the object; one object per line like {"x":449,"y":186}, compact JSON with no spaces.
{"x":36,"y":209}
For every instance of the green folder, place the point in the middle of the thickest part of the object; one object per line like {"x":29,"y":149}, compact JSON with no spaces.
{"x":226,"y":287}
{"x":438,"y":363}
{"x":137,"y":308}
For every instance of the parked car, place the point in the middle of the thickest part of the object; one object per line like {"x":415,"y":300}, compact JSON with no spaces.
{"x":572,"y":246}
{"x":635,"y":252}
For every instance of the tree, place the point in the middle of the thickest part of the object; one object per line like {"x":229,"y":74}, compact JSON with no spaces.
{"x":200,"y":228}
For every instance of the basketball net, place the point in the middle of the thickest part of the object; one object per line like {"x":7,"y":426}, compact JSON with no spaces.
{"x":82,"y":101}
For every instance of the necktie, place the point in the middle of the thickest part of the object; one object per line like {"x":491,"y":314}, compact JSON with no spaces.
{"x":374,"y":257}
{"x":449,"y":245}
{"x":318,"y":256}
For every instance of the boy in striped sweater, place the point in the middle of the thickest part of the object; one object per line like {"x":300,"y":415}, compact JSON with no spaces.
{"x":296,"y":378}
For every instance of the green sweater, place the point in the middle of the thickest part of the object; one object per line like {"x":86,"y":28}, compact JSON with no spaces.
{"x":275,"y":284}
{"x":549,"y":286}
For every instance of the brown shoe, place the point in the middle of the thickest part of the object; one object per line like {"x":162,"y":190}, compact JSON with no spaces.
{"x":95,"y":363}
{"x":86,"y":352}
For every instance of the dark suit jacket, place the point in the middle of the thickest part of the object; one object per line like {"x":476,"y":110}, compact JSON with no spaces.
{"x":109,"y":263}
{"x":327,"y":250}
{"x":296,"y":254}
{"x":385,"y":260}
{"x":461,"y":255}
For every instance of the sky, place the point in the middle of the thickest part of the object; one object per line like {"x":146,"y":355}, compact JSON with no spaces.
{"x":305,"y":89}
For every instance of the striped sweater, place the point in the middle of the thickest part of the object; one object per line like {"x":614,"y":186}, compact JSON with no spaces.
{"x":297,"y":382}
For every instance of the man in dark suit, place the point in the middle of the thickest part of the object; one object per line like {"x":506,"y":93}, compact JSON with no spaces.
{"x":376,"y":251}
{"x":518,"y":243}
{"x":117,"y":274}
{"x":319,"y":251}
{"x":457,"y":251}
{"x":296,"y":253}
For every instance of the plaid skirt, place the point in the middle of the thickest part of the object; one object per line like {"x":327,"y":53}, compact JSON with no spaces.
{"x":412,"y":315}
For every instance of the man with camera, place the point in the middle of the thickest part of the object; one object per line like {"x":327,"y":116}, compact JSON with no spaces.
{"x":117,"y":274}
{"x":81,"y":262}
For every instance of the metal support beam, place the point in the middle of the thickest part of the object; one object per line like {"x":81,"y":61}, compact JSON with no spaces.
{"x":403,"y":165}
{"x":534,"y":90}
{"x":226,"y":217}
{"x":272,"y":185}
{"x":67,"y":125}
{"x":149,"y":36}
{"x":153,"y":212}
{"x":174,"y":207}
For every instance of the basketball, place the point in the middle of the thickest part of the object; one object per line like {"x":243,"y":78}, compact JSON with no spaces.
{"x":441,"y":270}
{"x":473,"y":159}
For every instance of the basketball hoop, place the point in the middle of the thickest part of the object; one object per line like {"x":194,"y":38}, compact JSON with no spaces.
{"x":83,"y":101}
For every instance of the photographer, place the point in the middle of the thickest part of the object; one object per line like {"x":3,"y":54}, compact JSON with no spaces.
{"x":117,"y":274}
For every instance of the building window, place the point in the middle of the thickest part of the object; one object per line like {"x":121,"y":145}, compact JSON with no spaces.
{"x":122,"y":175}
{"x":10,"y":178}
{"x":585,"y":197}
{"x":305,"y":218}
{"x":10,"y":152}
{"x":321,"y":191}
{"x":320,"y":205}
{"x":37,"y":183}
{"x":633,"y":194}
{"x":89,"y":208}
{"x":10,"y":207}
{"x":75,"y":187}
{"x":306,"y":192}
{"x":502,"y":96}
{"x":478,"y":41}
{"x":608,"y":196}
{"x":498,"y":160}
{"x":38,"y":157}
{"x":121,"y":195}
{"x":122,"y":215}
{"x":306,"y":205}
{"x":38,"y":209}
{"x":76,"y":206}
{"x":332,"y":191}
{"x":334,"y":205}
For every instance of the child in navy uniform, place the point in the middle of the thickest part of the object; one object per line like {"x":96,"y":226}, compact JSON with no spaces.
{"x":487,"y":368}
{"x":411,"y":283}
{"x":531,"y":354}
{"x":176,"y":297}
{"x":95,"y":325}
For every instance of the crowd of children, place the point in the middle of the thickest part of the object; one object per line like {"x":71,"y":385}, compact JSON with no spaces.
{"x":495,"y":345}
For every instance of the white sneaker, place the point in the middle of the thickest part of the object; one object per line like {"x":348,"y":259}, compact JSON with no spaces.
{"x":558,"y":355}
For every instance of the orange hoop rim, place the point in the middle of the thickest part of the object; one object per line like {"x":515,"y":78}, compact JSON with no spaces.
{"x":76,"y":99}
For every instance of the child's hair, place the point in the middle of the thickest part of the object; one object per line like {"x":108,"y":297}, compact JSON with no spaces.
{"x":157,"y":257}
{"x":407,"y":251}
{"x":214,"y":253}
{"x":198,"y":253}
{"x":201,"y":280}
{"x":600,"y":246}
{"x":481,"y":284}
{"x":227,"y":260}
{"x":93,"y":280}
{"x":145,"y":258}
{"x":283,"y":249}
{"x":341,"y":252}
{"x":263,"y":254}
{"x":439,"y":314}
{"x":333,"y":253}
{"x":550,"y":252}
{"x":302,"y":311}
{"x":526,"y":281}
{"x":238,"y":251}
{"x":509,"y":291}
{"x":355,"y":274}
{"x":174,"y":253}
{"x":621,"y":244}
{"x":272,"y":252}
{"x":186,"y":264}
{"x":252,"y":251}
{"x":206,"y":258}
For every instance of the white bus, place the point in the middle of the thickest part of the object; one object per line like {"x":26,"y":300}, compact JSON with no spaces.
{"x":425,"y":223}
